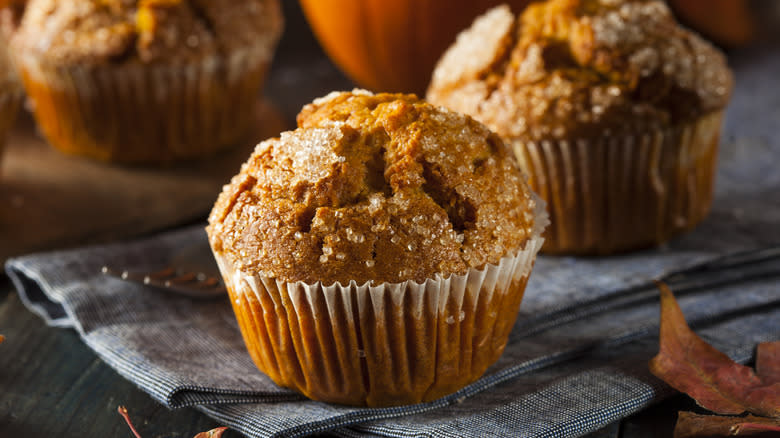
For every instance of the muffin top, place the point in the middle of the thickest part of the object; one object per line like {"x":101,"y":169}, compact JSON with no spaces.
{"x":380,"y":188}
{"x":8,"y":79}
{"x":89,"y":32}
{"x":6,"y":69}
{"x":10,"y":13}
{"x":578,"y":68}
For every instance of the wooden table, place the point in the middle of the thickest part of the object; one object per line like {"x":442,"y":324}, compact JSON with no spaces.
{"x":51,"y":384}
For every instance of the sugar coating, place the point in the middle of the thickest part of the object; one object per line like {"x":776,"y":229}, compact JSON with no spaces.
{"x":567,"y":69}
{"x":100,"y":31}
{"x":8,"y":78}
{"x":381,"y":188}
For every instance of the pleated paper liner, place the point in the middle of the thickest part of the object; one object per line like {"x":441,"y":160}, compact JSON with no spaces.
{"x":624,"y":192}
{"x":383,"y":345}
{"x":146,"y":114}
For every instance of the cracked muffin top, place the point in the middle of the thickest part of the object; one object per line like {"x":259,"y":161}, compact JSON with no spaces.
{"x":8,"y":79}
{"x":380,"y":188}
{"x":571,"y":68}
{"x":7,"y":76}
{"x":106,"y":31}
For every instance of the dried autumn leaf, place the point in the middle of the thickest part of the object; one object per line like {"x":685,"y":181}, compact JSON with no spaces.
{"x":717,"y":383}
{"x":690,"y":425}
{"x":213,"y":433}
{"x":768,"y":361}
{"x":123,"y":412}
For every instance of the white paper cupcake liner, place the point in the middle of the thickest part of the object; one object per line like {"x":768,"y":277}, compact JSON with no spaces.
{"x":137,"y":113}
{"x":387,"y":344}
{"x":622,"y":192}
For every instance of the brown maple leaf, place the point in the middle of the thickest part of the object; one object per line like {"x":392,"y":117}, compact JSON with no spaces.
{"x":123,"y":412}
{"x":768,"y":361}
{"x":690,"y":425}
{"x":717,"y":383}
{"x":213,"y":433}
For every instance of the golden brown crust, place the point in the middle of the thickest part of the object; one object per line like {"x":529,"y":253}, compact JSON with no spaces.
{"x":9,"y":81}
{"x":11,"y":12}
{"x":381,"y":188}
{"x":104,"y":31}
{"x":579,"y":68}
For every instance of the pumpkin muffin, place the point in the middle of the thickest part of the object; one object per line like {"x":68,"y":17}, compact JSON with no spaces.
{"x":378,"y":254}
{"x":612,"y":108}
{"x":10,"y":93}
{"x":145,"y":81}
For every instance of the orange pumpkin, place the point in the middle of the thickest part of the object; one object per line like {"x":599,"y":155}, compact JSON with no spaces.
{"x":392,"y":45}
{"x":727,"y":22}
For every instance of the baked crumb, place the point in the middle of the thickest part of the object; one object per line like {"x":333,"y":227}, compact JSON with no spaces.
{"x":569,"y":69}
{"x":382,"y":188}
{"x":101,"y":31}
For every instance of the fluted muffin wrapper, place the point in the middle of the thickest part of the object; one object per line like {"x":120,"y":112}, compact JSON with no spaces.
{"x":146,"y":113}
{"x":386,"y":344}
{"x":624,"y":191}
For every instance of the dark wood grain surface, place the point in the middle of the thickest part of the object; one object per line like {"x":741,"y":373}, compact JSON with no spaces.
{"x":71,"y":200}
{"x":51,"y":383}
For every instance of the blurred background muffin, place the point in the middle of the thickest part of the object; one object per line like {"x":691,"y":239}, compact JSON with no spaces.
{"x":145,"y":81}
{"x":378,"y":254}
{"x":10,"y":89}
{"x":612,"y":108}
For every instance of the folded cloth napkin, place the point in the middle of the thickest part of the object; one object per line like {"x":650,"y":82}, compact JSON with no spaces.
{"x":575,"y":362}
